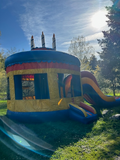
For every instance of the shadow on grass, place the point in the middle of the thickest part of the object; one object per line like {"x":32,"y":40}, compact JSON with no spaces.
{"x":11,"y":150}
{"x":13,"y":147}
{"x":57,"y":134}
{"x":60,"y":134}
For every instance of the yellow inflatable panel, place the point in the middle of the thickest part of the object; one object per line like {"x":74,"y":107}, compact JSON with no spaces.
{"x":40,"y":105}
{"x":53,"y":85}
{"x":96,"y":88}
{"x":52,"y":79}
{"x":35,"y":105}
{"x":12,"y":88}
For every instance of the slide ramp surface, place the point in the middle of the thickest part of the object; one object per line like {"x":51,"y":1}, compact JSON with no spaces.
{"x":94,"y":95}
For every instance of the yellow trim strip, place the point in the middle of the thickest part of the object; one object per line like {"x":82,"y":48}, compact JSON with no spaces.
{"x":81,"y":109}
{"x":42,"y":105}
{"x":42,"y":70}
{"x":96,"y":88}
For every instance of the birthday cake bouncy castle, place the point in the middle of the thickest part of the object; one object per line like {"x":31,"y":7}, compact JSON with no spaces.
{"x":45,"y":85}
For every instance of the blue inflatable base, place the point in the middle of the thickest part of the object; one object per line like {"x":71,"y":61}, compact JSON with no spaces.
{"x":34,"y":117}
{"x":77,"y":117}
{"x":61,"y":115}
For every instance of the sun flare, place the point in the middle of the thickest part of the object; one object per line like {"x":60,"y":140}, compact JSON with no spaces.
{"x":99,"y":19}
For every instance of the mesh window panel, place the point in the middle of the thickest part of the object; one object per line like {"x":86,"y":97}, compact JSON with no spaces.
{"x":67,"y":83}
{"x":28,"y":91}
{"x":76,"y":86}
{"x":41,"y":86}
{"x":64,"y":85}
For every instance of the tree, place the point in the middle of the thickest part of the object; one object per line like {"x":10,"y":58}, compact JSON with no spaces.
{"x":85,"y":64}
{"x":2,"y":60}
{"x":110,"y":45}
{"x":80,"y":48}
{"x":3,"y":82}
{"x":102,"y":82}
{"x":93,"y":62}
{"x":3,"y":79}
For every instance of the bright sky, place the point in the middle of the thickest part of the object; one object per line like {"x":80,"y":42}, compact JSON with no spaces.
{"x":20,"y":19}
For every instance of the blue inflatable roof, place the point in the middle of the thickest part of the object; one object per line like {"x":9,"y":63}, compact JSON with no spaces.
{"x":41,"y":55}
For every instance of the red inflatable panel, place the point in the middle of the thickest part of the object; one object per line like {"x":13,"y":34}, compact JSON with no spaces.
{"x":38,"y":65}
{"x":89,"y":108}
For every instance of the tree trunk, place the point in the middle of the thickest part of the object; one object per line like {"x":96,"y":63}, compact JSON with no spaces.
{"x":114,"y":87}
{"x":114,"y":92}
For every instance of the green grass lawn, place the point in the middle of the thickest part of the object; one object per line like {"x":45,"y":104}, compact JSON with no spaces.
{"x":3,"y":95}
{"x":71,"y":140}
{"x":100,"y":143}
{"x":111,"y":94}
{"x":3,"y":107}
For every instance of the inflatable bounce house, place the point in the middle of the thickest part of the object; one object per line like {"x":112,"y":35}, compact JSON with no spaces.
{"x":45,"y":85}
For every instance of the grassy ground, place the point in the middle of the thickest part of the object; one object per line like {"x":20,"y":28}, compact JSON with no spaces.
{"x":111,"y":94}
{"x":3,"y":95}
{"x":100,"y":143}
{"x":117,"y":94}
{"x":71,"y":140}
{"x":3,"y":107}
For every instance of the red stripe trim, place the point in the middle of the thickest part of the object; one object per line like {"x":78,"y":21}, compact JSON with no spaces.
{"x":88,"y":99}
{"x":116,"y":97}
{"x":91,"y":100}
{"x":36,"y":65}
{"x":89,"y":113}
{"x":85,"y":106}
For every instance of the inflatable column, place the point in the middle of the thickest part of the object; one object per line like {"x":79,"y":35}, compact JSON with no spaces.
{"x":54,"y":42}
{"x":32,"y":43}
{"x":43,"y":40}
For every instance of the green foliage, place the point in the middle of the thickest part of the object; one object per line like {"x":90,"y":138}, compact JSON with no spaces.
{"x":3,"y":107}
{"x":102,"y":82}
{"x":3,"y":79}
{"x":2,"y":60}
{"x":110,"y":45}
{"x":3,"y":82}
{"x":93,"y":62}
